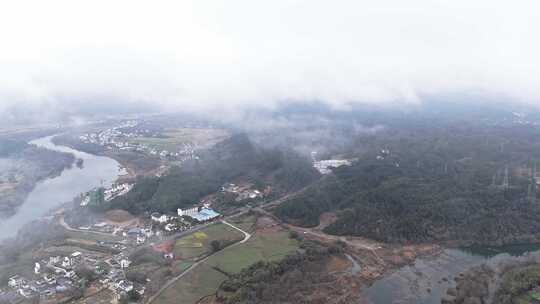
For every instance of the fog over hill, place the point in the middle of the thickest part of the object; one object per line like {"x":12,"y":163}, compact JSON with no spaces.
{"x":74,"y":58}
{"x":246,"y":151}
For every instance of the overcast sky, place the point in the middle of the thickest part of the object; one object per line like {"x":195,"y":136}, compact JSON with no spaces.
{"x":196,"y":54}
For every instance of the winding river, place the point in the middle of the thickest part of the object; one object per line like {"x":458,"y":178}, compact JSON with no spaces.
{"x":53,"y":192}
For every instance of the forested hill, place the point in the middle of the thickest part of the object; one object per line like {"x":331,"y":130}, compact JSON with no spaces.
{"x":432,"y":183}
{"x":233,"y":158}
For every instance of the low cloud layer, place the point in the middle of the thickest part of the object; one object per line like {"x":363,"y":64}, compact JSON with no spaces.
{"x":200,"y":55}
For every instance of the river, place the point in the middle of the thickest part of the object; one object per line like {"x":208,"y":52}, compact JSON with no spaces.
{"x":428,"y":279}
{"x":53,"y":192}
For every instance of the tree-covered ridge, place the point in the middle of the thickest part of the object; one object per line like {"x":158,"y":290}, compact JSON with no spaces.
{"x":432,"y":183}
{"x":233,"y":158}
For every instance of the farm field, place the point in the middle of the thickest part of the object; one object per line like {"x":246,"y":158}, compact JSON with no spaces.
{"x":104,"y":296}
{"x":181,"y":266}
{"x":173,"y":138}
{"x":268,"y":243}
{"x":198,"y":243}
{"x":261,"y":247}
{"x":193,"y":287}
{"x":145,"y":268}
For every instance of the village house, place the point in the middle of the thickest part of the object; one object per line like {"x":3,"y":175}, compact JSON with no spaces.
{"x":124,"y":263}
{"x":125,"y":286}
{"x":160,"y":218}
{"x":116,"y":190}
{"x":16,"y":281}
{"x":202,"y":215}
{"x":188,"y":212}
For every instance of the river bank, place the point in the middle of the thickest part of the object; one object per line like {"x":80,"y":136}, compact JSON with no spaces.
{"x":22,"y":167}
{"x":52,"y":192}
{"x":135,"y":163}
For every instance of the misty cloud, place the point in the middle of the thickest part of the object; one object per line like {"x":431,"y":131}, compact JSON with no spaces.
{"x":200,"y":55}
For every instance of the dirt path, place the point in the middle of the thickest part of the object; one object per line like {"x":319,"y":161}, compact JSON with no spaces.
{"x":355,"y":242}
{"x":63,"y":223}
{"x":358,"y":243}
{"x":247,"y":236}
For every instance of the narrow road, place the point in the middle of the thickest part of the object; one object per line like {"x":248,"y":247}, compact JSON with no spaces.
{"x":173,"y":280}
{"x":247,"y":236}
{"x":67,"y":227}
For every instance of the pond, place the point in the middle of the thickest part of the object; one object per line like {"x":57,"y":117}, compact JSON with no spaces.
{"x":428,"y":279}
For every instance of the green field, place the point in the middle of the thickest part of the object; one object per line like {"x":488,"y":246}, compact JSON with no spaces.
{"x":530,"y":297}
{"x":172,"y":139}
{"x":535,"y":295}
{"x":194,"y":286}
{"x":204,"y":280}
{"x":198,"y":243}
{"x":181,"y":266}
{"x":265,"y":247}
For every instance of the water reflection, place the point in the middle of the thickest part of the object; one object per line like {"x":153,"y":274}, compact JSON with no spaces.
{"x":51,"y":193}
{"x":428,"y":279}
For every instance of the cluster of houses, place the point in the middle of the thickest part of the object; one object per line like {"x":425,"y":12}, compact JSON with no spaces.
{"x":169,"y":223}
{"x":109,"y":137}
{"x":324,"y":166}
{"x":243,"y":192}
{"x":58,"y":277}
{"x":175,"y":223}
{"x":116,"y":190}
{"x":132,"y":235}
{"x":384,"y":153}
{"x":118,"y":138}
{"x":55,"y":276}
{"x":108,"y":194}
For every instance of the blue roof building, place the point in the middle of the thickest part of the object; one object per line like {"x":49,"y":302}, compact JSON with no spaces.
{"x":205,"y":214}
